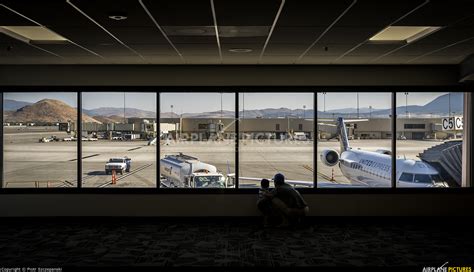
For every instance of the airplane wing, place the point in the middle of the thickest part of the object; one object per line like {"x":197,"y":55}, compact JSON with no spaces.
{"x":328,"y":184}
{"x":321,"y":184}
{"x":355,"y":120}
{"x":292,"y":182}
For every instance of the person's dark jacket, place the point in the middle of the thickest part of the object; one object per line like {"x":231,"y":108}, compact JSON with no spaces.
{"x":288,"y":195}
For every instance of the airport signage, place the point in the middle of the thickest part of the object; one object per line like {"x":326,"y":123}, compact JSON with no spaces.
{"x":452,"y":123}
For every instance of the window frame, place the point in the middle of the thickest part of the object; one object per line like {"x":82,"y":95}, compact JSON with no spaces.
{"x":237,"y":90}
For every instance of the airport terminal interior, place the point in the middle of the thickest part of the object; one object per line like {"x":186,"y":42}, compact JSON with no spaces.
{"x":138,"y":133}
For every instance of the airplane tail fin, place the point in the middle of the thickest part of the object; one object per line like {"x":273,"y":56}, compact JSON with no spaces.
{"x":342,"y":131}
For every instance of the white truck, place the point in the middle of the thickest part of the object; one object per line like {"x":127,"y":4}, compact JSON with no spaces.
{"x":188,"y":172}
{"x":120,"y":165}
{"x":299,"y":136}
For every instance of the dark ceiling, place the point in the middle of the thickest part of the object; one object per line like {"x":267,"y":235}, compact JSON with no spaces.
{"x":277,"y":32}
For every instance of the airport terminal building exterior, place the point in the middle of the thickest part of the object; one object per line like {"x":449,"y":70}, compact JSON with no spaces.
{"x":279,"y":128}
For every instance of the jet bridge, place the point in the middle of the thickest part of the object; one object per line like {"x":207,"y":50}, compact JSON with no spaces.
{"x":447,"y":159}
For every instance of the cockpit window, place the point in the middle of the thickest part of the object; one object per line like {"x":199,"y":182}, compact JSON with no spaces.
{"x":437,"y":178}
{"x":423,"y":178}
{"x":407,"y":177}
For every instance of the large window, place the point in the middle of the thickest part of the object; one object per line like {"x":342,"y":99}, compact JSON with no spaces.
{"x":197,"y":140}
{"x":429,"y":139}
{"x":38,"y":141}
{"x":276,"y":136}
{"x":233,"y":140}
{"x":118,"y":139}
{"x":354,"y":139}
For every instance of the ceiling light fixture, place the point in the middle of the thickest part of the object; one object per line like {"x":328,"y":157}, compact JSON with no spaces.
{"x":192,"y":31}
{"x":240,"y":50}
{"x":33,"y":34}
{"x":405,"y":34}
{"x":118,"y":17}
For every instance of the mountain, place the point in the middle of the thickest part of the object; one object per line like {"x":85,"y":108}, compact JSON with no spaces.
{"x":170,"y":115}
{"x":109,"y":119}
{"x":212,"y":114}
{"x":13,"y":105}
{"x":46,"y":111}
{"x":437,"y":107}
{"x":352,"y":110}
{"x":276,"y":113}
{"x":263,"y":113}
{"x":441,"y":104}
{"x":129,"y":112}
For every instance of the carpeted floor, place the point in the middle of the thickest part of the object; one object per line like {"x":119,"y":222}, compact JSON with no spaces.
{"x":233,"y":242}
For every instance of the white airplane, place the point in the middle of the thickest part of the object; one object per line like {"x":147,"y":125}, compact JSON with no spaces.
{"x":369,"y":168}
{"x":374,"y":169}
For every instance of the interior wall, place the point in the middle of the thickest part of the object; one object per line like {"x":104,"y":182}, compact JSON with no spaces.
{"x":376,"y":204}
{"x":321,"y":204}
{"x":228,"y":75}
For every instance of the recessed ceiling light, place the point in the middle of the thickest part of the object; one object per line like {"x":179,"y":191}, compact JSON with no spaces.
{"x":193,"y":31}
{"x":240,"y":50}
{"x":403,"y":33}
{"x":33,"y":34}
{"x":118,"y":17}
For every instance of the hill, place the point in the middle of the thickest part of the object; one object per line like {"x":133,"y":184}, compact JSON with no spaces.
{"x":109,"y":119}
{"x":129,"y":112}
{"x":46,"y":111}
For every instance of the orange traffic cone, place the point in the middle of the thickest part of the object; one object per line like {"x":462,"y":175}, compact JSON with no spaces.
{"x":114,"y":177}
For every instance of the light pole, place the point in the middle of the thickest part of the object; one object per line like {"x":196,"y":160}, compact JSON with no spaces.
{"x":357,"y":105}
{"x":304,"y":108}
{"x":171,"y":108}
{"x":406,"y":105}
{"x":124,"y":108}
{"x":221,"y":105}
{"x":324,"y":99}
{"x":449,"y":104}
{"x":370,"y":111}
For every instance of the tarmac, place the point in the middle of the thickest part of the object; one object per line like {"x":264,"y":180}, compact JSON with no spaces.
{"x":30,"y":163}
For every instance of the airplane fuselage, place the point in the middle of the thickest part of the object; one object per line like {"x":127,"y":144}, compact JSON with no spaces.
{"x":374,"y":169}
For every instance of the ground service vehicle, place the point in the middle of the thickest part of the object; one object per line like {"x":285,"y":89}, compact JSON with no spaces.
{"x":120,"y":165}
{"x":186,"y":171}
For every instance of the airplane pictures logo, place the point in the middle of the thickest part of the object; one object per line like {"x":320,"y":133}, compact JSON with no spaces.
{"x":445,"y":268}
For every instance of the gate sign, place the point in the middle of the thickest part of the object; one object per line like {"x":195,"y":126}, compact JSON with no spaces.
{"x":452,"y":123}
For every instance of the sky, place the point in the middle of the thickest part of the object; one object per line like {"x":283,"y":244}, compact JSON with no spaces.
{"x":196,"y":102}
{"x":206,"y":102}
{"x":144,"y":101}
{"x":68,"y":98}
{"x":376,"y":100}
{"x":255,"y":101}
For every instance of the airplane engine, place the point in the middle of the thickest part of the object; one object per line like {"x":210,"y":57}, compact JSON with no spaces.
{"x":330,"y":157}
